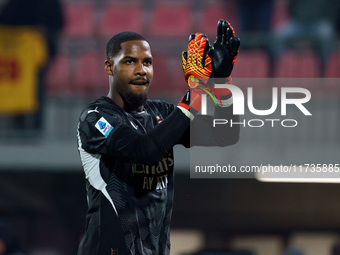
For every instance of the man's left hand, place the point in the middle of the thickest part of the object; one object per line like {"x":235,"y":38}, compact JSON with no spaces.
{"x":224,"y":51}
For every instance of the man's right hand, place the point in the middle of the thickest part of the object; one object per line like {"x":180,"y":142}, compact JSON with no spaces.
{"x":196,"y":61}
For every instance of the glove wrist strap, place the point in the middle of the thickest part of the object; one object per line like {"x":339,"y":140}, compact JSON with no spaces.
{"x":225,"y":94}
{"x":185,"y":111}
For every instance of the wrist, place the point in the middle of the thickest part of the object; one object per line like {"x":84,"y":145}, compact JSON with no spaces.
{"x":226,"y":80}
{"x":223,"y":93}
{"x":227,"y":101}
{"x":191,"y":102}
{"x":185,"y":111}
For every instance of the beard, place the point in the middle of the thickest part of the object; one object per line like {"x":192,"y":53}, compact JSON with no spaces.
{"x":134,"y":100}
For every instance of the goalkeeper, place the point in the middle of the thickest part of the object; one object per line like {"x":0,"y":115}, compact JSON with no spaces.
{"x":126,"y":142}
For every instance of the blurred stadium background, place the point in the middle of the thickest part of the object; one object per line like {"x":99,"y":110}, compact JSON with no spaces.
{"x":42,"y":187}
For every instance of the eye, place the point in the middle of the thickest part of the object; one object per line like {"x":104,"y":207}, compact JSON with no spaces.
{"x":148,"y":62}
{"x":129,"y":61}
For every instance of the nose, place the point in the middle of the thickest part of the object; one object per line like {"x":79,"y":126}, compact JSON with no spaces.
{"x":140,"y":69}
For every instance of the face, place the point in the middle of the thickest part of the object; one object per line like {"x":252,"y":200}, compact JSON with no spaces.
{"x":131,"y":69}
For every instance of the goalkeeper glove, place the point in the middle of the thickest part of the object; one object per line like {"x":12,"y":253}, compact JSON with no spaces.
{"x":196,"y":62}
{"x":223,"y":55}
{"x":224,"y":51}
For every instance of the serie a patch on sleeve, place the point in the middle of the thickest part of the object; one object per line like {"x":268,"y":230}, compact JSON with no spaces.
{"x":104,"y":126}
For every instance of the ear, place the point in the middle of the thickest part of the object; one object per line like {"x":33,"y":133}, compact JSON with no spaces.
{"x":108,"y":66}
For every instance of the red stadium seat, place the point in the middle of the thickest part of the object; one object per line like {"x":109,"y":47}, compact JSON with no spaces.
{"x":171,"y":20}
{"x":168,"y":76}
{"x":160,"y":82}
{"x":280,"y":13}
{"x":251,"y":64}
{"x":295,"y":64}
{"x":58,"y":76}
{"x":177,"y":80}
{"x":333,"y":65}
{"x":120,"y":17}
{"x":86,"y":72}
{"x":79,"y":20}
{"x":212,"y":13}
{"x":90,"y":75}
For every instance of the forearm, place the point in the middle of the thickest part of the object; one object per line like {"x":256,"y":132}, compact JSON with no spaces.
{"x":131,"y":145}
{"x":205,"y":132}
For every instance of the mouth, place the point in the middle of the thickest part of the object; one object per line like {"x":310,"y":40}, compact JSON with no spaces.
{"x":139,"y":82}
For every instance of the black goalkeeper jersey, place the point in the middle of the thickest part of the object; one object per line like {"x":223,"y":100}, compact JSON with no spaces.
{"x":128,"y":163}
{"x":129,"y":174}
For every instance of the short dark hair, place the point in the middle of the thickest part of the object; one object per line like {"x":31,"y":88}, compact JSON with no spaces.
{"x":113,"y":45}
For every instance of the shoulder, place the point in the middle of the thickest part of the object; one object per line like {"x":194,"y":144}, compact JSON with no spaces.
{"x":101,"y":108}
{"x":100,"y":118}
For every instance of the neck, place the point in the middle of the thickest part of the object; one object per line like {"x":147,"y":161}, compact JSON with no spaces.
{"x":134,"y":109}
{"x":118,"y":99}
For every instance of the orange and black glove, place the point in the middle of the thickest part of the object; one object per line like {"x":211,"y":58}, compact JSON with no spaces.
{"x":223,"y":55}
{"x":225,"y":50}
{"x":196,"y":64}
{"x":196,"y":61}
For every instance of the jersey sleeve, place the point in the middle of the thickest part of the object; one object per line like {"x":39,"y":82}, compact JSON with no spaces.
{"x":215,"y":135}
{"x":203,"y":133}
{"x":109,"y":135}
